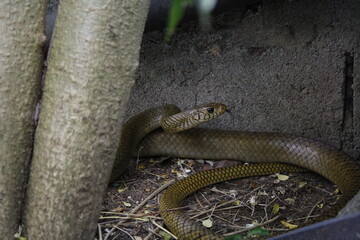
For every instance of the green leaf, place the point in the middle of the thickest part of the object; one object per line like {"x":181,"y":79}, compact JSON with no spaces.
{"x":233,"y":237}
{"x":275,"y":209}
{"x":175,"y":16}
{"x":258,"y":232}
{"x":165,"y":235}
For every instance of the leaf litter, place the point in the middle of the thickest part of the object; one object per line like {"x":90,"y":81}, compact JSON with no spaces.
{"x":257,"y":206}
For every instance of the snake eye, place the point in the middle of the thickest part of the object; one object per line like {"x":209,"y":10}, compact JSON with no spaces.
{"x":210,"y":110}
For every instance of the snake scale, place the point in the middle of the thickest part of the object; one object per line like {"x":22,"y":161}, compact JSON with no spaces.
{"x":272,"y":152}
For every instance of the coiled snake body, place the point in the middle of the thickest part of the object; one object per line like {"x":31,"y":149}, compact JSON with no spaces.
{"x":273,"y":151}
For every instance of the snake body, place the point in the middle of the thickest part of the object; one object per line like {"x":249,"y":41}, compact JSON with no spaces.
{"x":271,"y":151}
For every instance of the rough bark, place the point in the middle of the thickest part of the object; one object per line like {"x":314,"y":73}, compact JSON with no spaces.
{"x":93,"y":57}
{"x":21,"y":39}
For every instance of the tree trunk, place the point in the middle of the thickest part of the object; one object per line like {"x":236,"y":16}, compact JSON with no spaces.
{"x":21,"y":39}
{"x":93,"y":57}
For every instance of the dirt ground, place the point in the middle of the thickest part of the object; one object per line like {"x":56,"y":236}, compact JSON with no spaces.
{"x":267,"y":206}
{"x":271,"y":204}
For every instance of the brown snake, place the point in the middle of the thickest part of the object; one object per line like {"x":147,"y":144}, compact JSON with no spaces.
{"x":274,"y":152}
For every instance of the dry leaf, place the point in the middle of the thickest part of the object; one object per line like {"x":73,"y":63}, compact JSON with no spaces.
{"x":282,"y":177}
{"x":252,"y":224}
{"x":233,"y":193}
{"x":141,"y":166}
{"x":207,"y":223}
{"x":275,"y":209}
{"x":281,"y":190}
{"x":120,"y":190}
{"x":150,"y":206}
{"x":190,"y":163}
{"x":178,"y":173}
{"x":163,"y":176}
{"x":301,"y":184}
{"x":180,"y":162}
{"x":252,"y":201}
{"x":211,"y":163}
{"x":290,"y":200}
{"x":118,"y":209}
{"x":288,"y":225}
{"x":263,"y":193}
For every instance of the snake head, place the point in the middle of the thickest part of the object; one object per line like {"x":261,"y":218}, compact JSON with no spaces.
{"x":193,"y":117}
{"x":207,"y":112}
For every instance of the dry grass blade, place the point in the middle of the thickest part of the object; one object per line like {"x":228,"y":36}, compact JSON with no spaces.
{"x":134,"y":210}
{"x":232,"y":212}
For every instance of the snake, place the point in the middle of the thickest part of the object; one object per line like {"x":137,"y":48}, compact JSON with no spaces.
{"x":168,"y":131}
